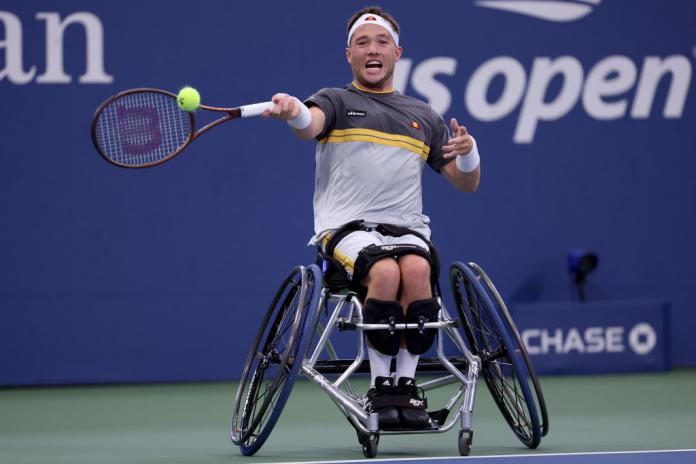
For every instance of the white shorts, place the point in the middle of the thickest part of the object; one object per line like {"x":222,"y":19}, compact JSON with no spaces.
{"x":346,"y":251}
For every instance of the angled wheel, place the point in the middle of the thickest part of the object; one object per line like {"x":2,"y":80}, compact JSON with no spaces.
{"x":275,"y":359}
{"x":487,"y":283}
{"x":503,"y":366}
{"x":369,"y":442}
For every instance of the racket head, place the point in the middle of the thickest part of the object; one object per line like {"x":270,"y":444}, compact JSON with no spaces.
{"x":140,"y":128}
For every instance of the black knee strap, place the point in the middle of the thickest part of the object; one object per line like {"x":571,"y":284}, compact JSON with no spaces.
{"x":421,"y":311}
{"x":383,"y":312}
{"x":433,"y":257}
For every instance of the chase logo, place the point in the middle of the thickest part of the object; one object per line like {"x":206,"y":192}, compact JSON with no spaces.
{"x":641,"y":339}
{"x":559,"y":11}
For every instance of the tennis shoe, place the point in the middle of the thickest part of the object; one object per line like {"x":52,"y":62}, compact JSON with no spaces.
{"x":413,"y":416}
{"x":378,"y":399}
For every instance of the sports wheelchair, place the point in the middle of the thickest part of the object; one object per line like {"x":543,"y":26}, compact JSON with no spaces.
{"x":312,"y":306}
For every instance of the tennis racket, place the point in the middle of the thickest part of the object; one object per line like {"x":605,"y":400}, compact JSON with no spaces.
{"x":140,"y":128}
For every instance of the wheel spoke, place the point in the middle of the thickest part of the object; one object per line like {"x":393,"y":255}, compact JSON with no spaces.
{"x":270,"y":371}
{"x":502,"y":361}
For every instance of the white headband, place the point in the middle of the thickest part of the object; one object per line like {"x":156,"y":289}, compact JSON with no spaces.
{"x":370,"y":18}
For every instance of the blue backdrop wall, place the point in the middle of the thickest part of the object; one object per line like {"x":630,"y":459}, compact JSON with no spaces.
{"x":584,"y":117}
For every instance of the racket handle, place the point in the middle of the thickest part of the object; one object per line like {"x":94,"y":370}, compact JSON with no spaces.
{"x":256,"y":109}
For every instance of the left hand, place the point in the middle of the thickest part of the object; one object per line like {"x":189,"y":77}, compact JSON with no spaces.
{"x":460,"y":144}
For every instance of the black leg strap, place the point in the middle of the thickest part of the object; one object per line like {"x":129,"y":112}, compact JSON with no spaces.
{"x":340,"y":234}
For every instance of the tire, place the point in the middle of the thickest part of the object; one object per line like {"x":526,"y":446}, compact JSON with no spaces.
{"x":275,"y":359}
{"x":464,"y":440}
{"x":370,"y":443}
{"x":503,"y":366}
{"x":498,"y":300}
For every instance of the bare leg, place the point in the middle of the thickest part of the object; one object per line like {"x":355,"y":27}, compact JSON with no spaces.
{"x":415,"y":285}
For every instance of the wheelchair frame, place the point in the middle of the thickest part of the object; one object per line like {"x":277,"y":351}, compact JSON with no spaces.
{"x":294,"y":338}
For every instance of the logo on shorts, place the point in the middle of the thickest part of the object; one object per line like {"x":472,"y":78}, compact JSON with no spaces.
{"x":415,"y":124}
{"x":416,"y":403}
{"x":357,"y":113}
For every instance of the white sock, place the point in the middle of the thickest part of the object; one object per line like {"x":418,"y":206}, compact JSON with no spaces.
{"x":380,"y":364}
{"x":406,"y":364}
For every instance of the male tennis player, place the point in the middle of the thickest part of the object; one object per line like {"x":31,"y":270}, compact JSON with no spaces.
{"x":373,"y":144}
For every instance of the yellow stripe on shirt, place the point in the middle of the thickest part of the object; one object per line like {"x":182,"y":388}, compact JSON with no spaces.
{"x":382,"y":138}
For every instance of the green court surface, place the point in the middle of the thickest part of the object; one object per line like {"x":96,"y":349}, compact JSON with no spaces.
{"x":188,"y":423}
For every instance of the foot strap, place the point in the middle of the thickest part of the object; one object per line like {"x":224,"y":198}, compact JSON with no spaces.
{"x":399,"y":401}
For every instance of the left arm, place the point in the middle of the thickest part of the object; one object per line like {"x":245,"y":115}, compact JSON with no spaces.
{"x":462,"y":146}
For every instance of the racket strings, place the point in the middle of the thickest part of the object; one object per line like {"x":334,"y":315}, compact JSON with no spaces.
{"x":142,"y":128}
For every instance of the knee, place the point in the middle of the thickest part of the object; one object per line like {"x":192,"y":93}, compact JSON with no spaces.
{"x":384,"y":274}
{"x":414,"y":269}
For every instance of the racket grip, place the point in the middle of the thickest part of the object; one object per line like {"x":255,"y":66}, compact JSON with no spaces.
{"x":255,"y":109}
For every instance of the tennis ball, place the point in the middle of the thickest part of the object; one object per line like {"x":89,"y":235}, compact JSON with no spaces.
{"x":188,"y":99}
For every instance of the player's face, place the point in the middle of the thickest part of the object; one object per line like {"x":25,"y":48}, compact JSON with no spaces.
{"x":373,"y":55}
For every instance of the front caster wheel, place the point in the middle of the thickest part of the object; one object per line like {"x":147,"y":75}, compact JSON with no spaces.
{"x":369,"y":444}
{"x":466,"y":436}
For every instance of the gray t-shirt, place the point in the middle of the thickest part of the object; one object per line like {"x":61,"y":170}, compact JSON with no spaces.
{"x":370,"y":158}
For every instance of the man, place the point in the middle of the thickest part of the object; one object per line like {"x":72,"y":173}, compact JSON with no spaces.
{"x":373,"y":144}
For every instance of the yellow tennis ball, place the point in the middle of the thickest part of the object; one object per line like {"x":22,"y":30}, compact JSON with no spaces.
{"x":188,"y":99}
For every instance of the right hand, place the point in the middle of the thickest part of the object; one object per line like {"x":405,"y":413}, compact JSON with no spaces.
{"x":460,"y":144}
{"x":286,"y":107}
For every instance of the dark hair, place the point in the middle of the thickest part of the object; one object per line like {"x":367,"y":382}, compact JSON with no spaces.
{"x":376,"y":10}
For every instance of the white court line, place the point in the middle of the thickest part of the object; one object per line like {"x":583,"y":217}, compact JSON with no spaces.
{"x":497,"y":456}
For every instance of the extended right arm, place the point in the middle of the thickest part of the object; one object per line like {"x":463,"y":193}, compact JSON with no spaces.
{"x":289,"y":108}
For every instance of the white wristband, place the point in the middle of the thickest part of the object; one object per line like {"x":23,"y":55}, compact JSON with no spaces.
{"x":469,"y":162}
{"x":302,"y":120}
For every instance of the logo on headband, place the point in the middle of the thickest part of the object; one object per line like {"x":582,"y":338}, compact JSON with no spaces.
{"x":370,"y":18}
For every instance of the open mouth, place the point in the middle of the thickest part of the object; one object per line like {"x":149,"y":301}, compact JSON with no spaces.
{"x":373,"y":64}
